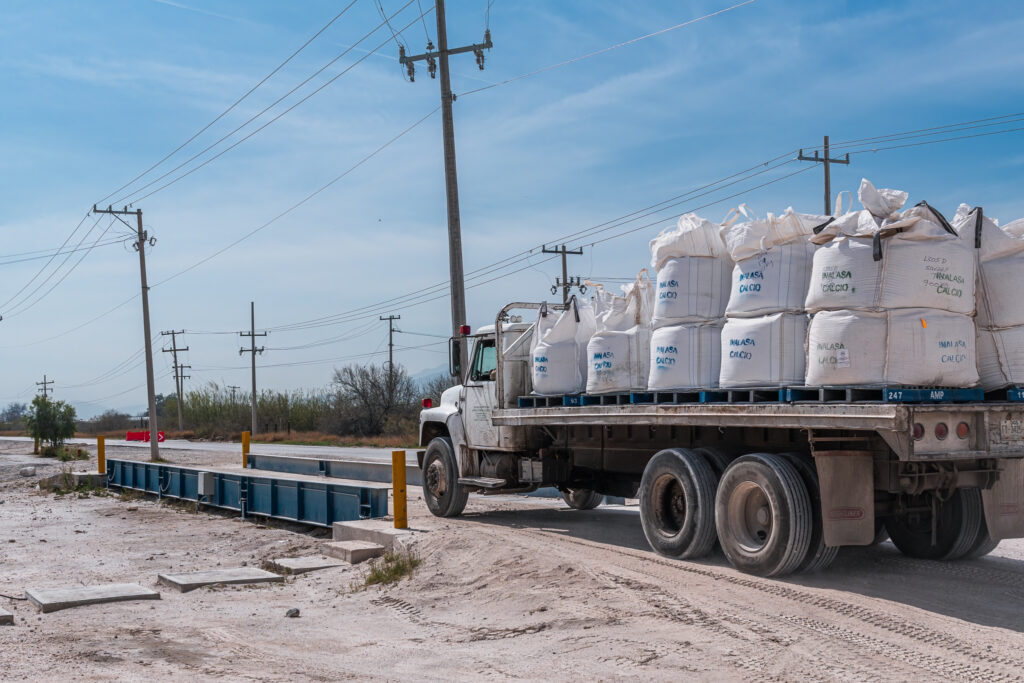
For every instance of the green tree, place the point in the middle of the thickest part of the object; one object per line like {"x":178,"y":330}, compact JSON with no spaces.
{"x":51,"y":422}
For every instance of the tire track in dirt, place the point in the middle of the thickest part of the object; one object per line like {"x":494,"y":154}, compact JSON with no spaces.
{"x":917,"y":633}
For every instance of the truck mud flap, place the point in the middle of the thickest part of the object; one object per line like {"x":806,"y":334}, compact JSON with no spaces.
{"x":1004,"y":502}
{"x":847,"y":497}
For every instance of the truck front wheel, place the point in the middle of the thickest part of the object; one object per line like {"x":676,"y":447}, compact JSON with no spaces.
{"x":763,"y":515}
{"x":582,"y":499}
{"x":441,"y":490}
{"x":677,"y":494}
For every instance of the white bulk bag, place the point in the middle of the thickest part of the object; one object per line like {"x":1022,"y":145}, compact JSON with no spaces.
{"x":685,"y":356}
{"x":764,"y":351}
{"x":907,"y":347}
{"x":690,"y":289}
{"x":692,"y":236}
{"x":619,"y":352}
{"x":846,"y":348}
{"x":877,"y":262}
{"x":1000,"y":255}
{"x":773,"y":263}
{"x":559,"y":357}
{"x":1001,"y":357}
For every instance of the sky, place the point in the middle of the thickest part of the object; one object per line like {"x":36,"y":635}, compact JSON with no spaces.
{"x":96,"y":93}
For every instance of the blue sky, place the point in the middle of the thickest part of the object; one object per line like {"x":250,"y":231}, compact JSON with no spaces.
{"x":97,"y":92}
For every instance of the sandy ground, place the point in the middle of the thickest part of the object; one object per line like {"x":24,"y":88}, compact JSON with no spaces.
{"x":517,"y":588}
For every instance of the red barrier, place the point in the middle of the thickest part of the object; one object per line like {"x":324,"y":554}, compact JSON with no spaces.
{"x":143,"y":436}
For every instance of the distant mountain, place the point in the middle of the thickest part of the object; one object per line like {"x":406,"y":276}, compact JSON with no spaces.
{"x":429,"y":374}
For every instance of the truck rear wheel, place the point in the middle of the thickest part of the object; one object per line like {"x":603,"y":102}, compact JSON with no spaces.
{"x":984,"y":544}
{"x":763,"y":515}
{"x":677,"y":494}
{"x":956,"y":531}
{"x":582,"y":499}
{"x":819,"y":556}
{"x":441,"y":491}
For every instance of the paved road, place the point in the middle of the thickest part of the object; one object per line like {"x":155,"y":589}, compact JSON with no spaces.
{"x":325,"y":452}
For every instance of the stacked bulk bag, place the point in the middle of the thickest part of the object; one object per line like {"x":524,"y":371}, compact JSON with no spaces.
{"x":559,"y":355}
{"x":619,"y":352}
{"x":1000,"y":321}
{"x":892,"y":295}
{"x":691,"y":291}
{"x":762,"y":341}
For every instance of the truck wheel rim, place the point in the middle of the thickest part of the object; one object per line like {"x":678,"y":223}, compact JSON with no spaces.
{"x":437,"y":479}
{"x":669,"y":504}
{"x":750,"y":516}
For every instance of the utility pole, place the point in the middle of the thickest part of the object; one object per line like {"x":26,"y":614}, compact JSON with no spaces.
{"x":825,"y":160}
{"x":566,"y":283}
{"x":253,"y":350}
{"x":45,"y":386}
{"x":140,"y":246}
{"x":433,"y":59}
{"x":391,"y":341}
{"x":233,"y":389}
{"x":179,"y":378}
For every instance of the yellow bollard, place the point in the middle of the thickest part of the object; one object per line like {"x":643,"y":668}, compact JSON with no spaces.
{"x":35,"y":448}
{"x":245,"y":449}
{"x":101,"y":455}
{"x":398,"y":487}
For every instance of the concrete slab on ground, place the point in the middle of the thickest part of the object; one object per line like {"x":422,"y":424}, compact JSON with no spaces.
{"x":74,"y":480}
{"x":301,"y":565}
{"x":353,"y":552}
{"x":53,"y":599}
{"x":6,"y":617}
{"x":379,"y":531}
{"x":189,"y":581}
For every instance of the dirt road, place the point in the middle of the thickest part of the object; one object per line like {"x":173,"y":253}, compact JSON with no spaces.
{"x":517,"y":588}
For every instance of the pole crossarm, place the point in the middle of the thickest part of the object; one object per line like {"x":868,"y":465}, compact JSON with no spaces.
{"x":825,"y":160}
{"x":476,"y":47}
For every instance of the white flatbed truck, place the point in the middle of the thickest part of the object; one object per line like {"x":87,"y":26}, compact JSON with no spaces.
{"x":780,"y":486}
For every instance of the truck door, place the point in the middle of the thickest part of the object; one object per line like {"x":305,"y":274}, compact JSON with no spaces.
{"x":480,"y":396}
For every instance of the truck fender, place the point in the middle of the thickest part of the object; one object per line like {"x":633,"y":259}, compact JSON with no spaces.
{"x":1004,"y":502}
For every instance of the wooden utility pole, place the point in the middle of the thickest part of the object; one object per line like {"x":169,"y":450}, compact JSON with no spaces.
{"x":434,"y":59}
{"x":179,"y":378}
{"x":566,"y":283}
{"x":252,"y":334}
{"x":825,"y":161}
{"x":391,"y":341}
{"x":143,"y":238}
{"x":45,"y":386}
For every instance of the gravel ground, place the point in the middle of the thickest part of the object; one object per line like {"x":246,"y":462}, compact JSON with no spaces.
{"x":516,"y":588}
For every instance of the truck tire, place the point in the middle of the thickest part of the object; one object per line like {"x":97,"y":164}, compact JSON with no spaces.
{"x":881,"y":535}
{"x":677,"y":494}
{"x":819,"y":556}
{"x":717,"y":458}
{"x":582,"y":499}
{"x":763,"y":515}
{"x":958,"y":527}
{"x":441,"y":491}
{"x":984,"y":543}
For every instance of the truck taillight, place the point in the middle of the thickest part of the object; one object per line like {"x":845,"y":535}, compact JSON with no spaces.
{"x":963,"y":430}
{"x":941,"y":431}
{"x":427,"y":403}
{"x":464,"y":330}
{"x":918,"y":431}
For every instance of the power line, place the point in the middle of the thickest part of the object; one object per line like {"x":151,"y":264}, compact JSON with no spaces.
{"x":234,"y":104}
{"x":132,"y":196}
{"x":604,"y":50}
{"x":47,"y":264}
{"x":384,"y":16}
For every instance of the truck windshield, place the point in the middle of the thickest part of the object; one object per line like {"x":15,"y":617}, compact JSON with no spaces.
{"x":485,"y":361}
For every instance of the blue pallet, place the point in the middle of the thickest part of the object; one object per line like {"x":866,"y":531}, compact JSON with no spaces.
{"x":1016,"y":395}
{"x":536,"y":401}
{"x":314,"y":503}
{"x":604,"y":399}
{"x":641,"y":397}
{"x":931,"y":395}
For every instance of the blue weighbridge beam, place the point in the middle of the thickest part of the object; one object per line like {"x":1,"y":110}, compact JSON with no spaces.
{"x":308,"y":500}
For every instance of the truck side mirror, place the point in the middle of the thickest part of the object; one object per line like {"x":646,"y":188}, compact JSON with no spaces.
{"x":455,"y":357}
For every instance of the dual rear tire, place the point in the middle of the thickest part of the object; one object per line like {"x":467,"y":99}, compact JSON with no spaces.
{"x":761,"y":508}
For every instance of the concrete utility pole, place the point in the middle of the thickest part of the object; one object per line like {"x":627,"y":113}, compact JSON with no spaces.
{"x":140,"y":246}
{"x":233,"y":389}
{"x":825,"y":160}
{"x":566,"y":283}
{"x":45,"y":386}
{"x":179,"y":378}
{"x":433,"y":59}
{"x":391,"y":340}
{"x":253,"y":350}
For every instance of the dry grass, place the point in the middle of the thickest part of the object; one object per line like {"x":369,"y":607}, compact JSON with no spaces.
{"x":390,"y":568}
{"x":321,"y":439}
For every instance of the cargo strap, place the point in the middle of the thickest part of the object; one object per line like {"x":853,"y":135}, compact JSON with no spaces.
{"x":816,"y":230}
{"x":978,"y":218}
{"x":942,"y":219}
